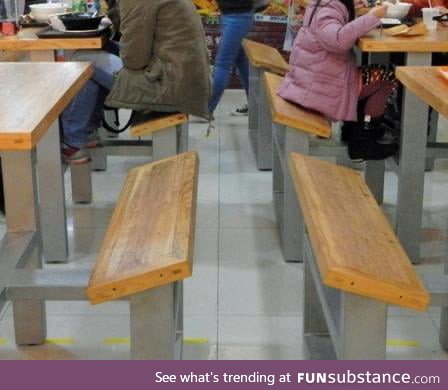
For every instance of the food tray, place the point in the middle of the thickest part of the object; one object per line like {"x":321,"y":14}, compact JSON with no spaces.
{"x":49,"y":32}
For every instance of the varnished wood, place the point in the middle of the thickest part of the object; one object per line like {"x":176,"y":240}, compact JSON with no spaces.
{"x":292,"y":115}
{"x":433,"y":41}
{"x":150,"y":237}
{"x":266,"y":57}
{"x":428,"y":84}
{"x":27,"y":40}
{"x":152,"y":126}
{"x":355,"y":247}
{"x":32,"y":96}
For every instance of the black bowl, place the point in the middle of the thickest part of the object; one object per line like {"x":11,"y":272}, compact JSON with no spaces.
{"x":80,"y":21}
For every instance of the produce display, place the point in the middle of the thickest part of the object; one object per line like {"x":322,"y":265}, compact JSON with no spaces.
{"x":206,"y":7}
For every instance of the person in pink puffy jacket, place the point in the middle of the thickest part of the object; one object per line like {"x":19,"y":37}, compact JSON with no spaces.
{"x":323,"y":75}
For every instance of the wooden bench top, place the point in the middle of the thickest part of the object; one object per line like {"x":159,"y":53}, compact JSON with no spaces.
{"x":27,"y":40}
{"x":150,"y":238}
{"x":159,"y":122}
{"x":266,"y":57}
{"x":32,"y":96}
{"x":428,"y":84}
{"x":292,"y":115}
{"x":355,"y":247}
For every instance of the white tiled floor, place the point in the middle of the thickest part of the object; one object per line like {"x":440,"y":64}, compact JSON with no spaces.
{"x":243,"y":301}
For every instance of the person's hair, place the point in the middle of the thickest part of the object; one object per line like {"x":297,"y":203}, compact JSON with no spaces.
{"x":349,"y":4}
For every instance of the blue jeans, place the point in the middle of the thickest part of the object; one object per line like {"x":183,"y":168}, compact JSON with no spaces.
{"x":84,"y":113}
{"x":234,"y":28}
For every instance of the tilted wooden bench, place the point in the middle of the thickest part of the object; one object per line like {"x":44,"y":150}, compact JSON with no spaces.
{"x":146,"y":253}
{"x":296,"y":129}
{"x":261,"y":58}
{"x":169,"y":136}
{"x":354,"y":263}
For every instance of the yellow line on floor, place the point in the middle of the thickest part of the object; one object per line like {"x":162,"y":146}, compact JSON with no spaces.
{"x":403,"y":343}
{"x":60,"y":341}
{"x":126,"y":341}
{"x":3,"y":341}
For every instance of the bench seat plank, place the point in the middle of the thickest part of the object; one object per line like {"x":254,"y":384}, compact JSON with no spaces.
{"x":149,"y":241}
{"x":354,"y":245}
{"x":292,"y":115}
{"x":160,"y":122}
{"x":266,"y":57}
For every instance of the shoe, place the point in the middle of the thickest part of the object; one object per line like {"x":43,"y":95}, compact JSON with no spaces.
{"x":93,"y":140}
{"x":363,"y":147}
{"x":241,"y":111}
{"x":72,"y":155}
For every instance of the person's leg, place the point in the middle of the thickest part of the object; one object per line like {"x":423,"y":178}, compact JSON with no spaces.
{"x":75,"y":119}
{"x":234,"y":29}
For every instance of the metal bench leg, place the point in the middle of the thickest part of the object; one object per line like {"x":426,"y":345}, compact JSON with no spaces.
{"x":81,"y":176}
{"x":153,"y":323}
{"x":22,"y":215}
{"x":315,"y":330}
{"x":99,"y":158}
{"x":50,"y":176}
{"x":293,"y":224}
{"x":182,"y":137}
{"x":443,"y":336}
{"x":263,"y":134}
{"x":254,"y":90}
{"x":164,"y":143}
{"x":374,"y":177}
{"x":363,"y":327}
{"x":432,"y":136}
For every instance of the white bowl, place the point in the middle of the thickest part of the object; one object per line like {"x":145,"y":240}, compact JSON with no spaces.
{"x":42,"y":12}
{"x":397,"y":11}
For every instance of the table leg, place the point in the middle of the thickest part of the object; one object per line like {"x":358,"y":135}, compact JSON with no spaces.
{"x":22,"y":215}
{"x":52,"y":197}
{"x":254,"y":87}
{"x":411,"y":174}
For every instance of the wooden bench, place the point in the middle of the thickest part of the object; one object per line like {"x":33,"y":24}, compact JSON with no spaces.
{"x":261,"y":58}
{"x":354,"y":263}
{"x":168,"y":134}
{"x":146,"y":253}
{"x":295,"y":129}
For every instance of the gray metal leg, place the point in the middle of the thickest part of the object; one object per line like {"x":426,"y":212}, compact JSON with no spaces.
{"x":362,"y":328}
{"x":423,"y":59}
{"x":443,"y":335}
{"x":22,"y":215}
{"x":164,"y":143}
{"x":254,"y":90}
{"x":374,"y":176}
{"x":411,"y":174}
{"x":182,"y":135}
{"x":293,"y":224}
{"x":262,"y":138}
{"x":99,"y":158}
{"x":52,"y":196}
{"x":432,"y":136}
{"x":81,"y":176}
{"x":153,"y":324}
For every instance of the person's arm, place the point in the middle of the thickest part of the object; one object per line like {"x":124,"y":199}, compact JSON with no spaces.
{"x":137,"y":34}
{"x":339,"y":37}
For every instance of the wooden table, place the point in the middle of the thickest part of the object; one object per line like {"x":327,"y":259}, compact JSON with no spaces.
{"x":43,"y":49}
{"x":32,"y":96}
{"x":418,"y":52}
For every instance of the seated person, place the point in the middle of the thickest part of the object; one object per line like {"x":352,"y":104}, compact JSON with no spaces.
{"x":163,"y":67}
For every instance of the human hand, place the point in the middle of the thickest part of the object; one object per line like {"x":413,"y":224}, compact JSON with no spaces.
{"x":379,"y":11}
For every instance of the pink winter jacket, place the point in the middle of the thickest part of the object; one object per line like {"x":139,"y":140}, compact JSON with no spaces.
{"x":323,"y":75}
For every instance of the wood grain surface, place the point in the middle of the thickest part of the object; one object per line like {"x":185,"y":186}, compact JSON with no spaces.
{"x":428,"y":84}
{"x":150,"y":238}
{"x":355,"y":247}
{"x":32,"y":95}
{"x":27,"y":40}
{"x":152,"y":126}
{"x":266,"y":57}
{"x":292,"y":115}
